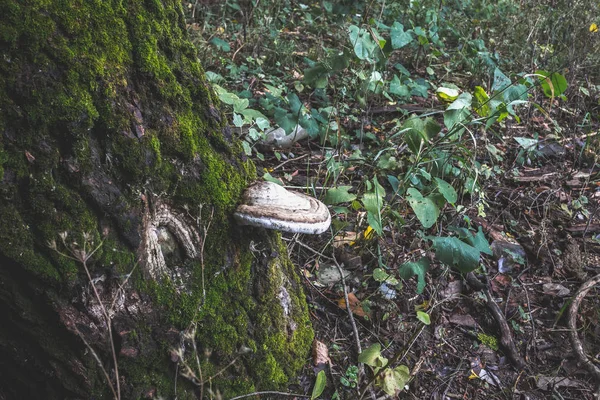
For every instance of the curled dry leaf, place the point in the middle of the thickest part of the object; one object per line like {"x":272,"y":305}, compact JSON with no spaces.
{"x":320,"y":354}
{"x":355,"y":306}
{"x":29,"y":156}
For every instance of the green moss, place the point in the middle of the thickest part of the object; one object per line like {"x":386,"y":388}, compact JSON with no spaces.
{"x":488,"y":340}
{"x":105,"y":90}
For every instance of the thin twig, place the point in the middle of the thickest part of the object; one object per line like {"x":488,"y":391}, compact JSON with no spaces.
{"x":361,"y":370}
{"x":290,"y":160}
{"x":311,"y":249}
{"x":576,"y":342}
{"x":348,"y":308}
{"x":121,"y":286}
{"x":108,"y":325}
{"x":221,"y":370}
{"x":304,"y":396}
{"x":110,"y":385}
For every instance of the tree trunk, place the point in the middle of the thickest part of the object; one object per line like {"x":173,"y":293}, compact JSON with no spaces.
{"x":118,"y":182}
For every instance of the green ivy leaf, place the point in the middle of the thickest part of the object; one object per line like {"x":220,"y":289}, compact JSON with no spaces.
{"x":501,"y":81}
{"x":447,"y":94}
{"x":397,"y":88}
{"x":362,"y":42}
{"x":285,"y":120}
{"x":221,"y":44}
{"x":446,"y":190}
{"x":553,"y":84}
{"x":319,"y":385}
{"x":425,"y":208}
{"x":340,"y":62}
{"x":339,"y":195}
{"x":247,"y":148}
{"x":515,"y":92}
{"x":251,"y":114}
{"x":418,"y":269}
{"x":455,"y":253}
{"x":458,"y":111}
{"x":317,"y":76}
{"x":394,"y":380}
{"x":372,"y":356}
{"x":238,"y":121}
{"x":419,"y":131}
{"x":399,"y":36}
{"x":423,"y":317}
{"x":480,"y":242}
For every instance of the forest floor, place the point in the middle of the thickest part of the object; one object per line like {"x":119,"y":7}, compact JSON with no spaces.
{"x":544,"y":228}
{"x":411,"y":100}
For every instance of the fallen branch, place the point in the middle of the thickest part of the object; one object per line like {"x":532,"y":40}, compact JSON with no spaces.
{"x":575,"y":341}
{"x":505,"y":334}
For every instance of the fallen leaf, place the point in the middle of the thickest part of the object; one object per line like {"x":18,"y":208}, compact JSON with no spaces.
{"x":29,"y":156}
{"x":347,"y":238}
{"x":555,"y":382}
{"x":555,"y":289}
{"x":320,"y":354}
{"x":463,"y":320}
{"x":453,"y":290}
{"x":355,"y":306}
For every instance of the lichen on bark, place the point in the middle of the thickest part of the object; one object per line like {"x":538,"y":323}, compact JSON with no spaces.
{"x":107,"y":128}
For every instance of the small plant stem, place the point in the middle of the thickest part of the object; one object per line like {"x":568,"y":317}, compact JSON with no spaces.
{"x":221,"y":370}
{"x":108,"y":323}
{"x":110,"y":385}
{"x":198,"y":362}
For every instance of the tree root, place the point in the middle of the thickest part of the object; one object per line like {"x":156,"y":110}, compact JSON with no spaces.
{"x":575,"y":341}
{"x":505,"y":334}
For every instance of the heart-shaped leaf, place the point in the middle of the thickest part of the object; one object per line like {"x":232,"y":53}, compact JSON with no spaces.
{"x":339,"y":195}
{"x":446,"y":190}
{"x":425,"y":208}
{"x":418,"y":269}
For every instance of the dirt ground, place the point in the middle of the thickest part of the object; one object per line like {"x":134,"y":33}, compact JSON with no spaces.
{"x":541,"y":218}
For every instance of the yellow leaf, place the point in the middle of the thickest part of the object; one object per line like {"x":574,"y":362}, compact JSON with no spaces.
{"x":423,"y":306}
{"x":368,"y":234}
{"x":593,"y":28}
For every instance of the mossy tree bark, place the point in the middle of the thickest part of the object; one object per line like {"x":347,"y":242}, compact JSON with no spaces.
{"x":114,"y":157}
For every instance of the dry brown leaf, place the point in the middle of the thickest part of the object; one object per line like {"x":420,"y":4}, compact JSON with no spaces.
{"x":29,"y":156}
{"x":463,"y":320}
{"x":320,"y":354}
{"x":355,"y":306}
{"x":345,"y":239}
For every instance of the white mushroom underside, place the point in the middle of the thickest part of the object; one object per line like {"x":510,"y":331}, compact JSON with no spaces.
{"x":269,"y":205}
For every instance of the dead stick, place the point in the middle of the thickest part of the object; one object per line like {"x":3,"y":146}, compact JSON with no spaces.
{"x":505,"y":335}
{"x":575,"y":341}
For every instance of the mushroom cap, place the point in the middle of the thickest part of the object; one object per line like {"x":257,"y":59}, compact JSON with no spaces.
{"x":268,"y":205}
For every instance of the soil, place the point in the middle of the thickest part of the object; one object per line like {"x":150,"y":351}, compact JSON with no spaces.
{"x":542,"y":202}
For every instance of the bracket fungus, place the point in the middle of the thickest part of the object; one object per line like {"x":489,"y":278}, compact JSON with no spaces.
{"x":268,"y":205}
